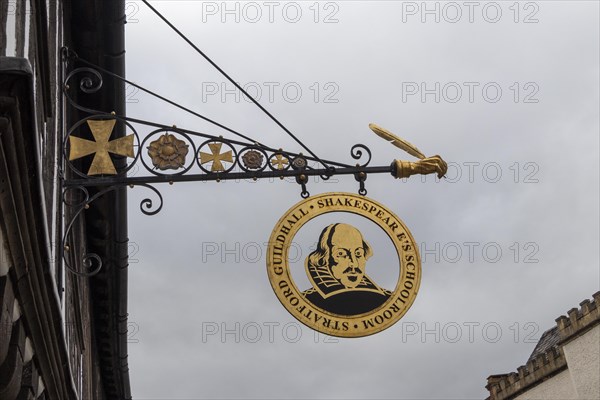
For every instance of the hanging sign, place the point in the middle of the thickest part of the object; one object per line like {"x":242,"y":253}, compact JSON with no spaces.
{"x":342,"y":299}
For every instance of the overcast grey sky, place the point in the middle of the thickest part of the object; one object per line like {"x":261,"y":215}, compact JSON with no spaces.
{"x":506,"y":92}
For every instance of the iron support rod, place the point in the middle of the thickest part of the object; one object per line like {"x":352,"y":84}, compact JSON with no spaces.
{"x":125,"y":180}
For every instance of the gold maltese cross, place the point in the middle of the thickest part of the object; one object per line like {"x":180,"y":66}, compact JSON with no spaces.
{"x":279,"y":162}
{"x":216,"y":157}
{"x":102,"y":163}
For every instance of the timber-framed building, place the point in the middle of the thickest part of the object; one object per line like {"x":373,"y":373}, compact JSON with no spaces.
{"x":61,"y":336}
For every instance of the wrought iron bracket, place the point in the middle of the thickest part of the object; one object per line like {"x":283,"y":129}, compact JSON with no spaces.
{"x":160,"y":153}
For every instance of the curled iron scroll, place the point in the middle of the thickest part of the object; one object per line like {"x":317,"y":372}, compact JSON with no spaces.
{"x":147,"y":205}
{"x":92,"y":261}
{"x":357,"y":153}
{"x":90,"y":83}
{"x":87,"y":258}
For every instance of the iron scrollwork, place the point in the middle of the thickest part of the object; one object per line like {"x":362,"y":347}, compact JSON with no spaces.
{"x":357,"y":153}
{"x":166,"y":154}
{"x":92,"y":261}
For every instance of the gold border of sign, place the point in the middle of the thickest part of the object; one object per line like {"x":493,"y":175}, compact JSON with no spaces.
{"x":333,"y":324}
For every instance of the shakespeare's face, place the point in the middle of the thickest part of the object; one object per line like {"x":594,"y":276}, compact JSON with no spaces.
{"x":348,"y":256}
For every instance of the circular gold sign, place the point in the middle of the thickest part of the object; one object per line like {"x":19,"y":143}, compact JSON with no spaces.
{"x":343,"y":300}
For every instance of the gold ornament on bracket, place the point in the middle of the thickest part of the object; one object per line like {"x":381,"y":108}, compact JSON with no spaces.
{"x":252,"y":159}
{"x":404,"y":169}
{"x":102,"y":163}
{"x":280,"y":161}
{"x":216,"y":157}
{"x":168,"y":152}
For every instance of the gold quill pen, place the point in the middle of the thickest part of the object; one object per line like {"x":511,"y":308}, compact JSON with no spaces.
{"x":397,"y":141}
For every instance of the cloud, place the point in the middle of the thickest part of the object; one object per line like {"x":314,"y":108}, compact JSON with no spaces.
{"x":509,"y":241}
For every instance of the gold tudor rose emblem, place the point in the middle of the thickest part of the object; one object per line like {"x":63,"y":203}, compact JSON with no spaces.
{"x":343,"y":300}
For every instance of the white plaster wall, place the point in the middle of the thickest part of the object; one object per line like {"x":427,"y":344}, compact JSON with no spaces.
{"x":583,"y":361}
{"x":558,"y":387}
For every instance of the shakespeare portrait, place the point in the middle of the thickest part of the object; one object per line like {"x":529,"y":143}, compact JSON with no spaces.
{"x":337,"y":272}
